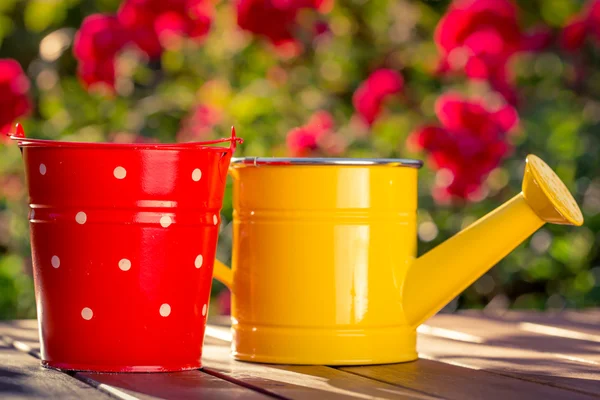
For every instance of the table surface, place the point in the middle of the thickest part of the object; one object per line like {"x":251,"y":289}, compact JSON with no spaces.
{"x":467,"y":355}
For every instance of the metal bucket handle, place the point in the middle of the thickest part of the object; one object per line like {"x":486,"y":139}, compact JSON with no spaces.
{"x":19,"y":135}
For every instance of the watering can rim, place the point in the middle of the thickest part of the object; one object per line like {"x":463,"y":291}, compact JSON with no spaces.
{"x":316,"y":161}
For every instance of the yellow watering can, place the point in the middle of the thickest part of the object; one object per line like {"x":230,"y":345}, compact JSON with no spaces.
{"x":324,"y":257}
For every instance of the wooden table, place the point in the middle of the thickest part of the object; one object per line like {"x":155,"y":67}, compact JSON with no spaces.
{"x":469,"y":355}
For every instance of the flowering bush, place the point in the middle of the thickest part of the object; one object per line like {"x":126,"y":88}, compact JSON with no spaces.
{"x":581,"y":26}
{"x":480,"y":37}
{"x":470,"y":86}
{"x":471,"y":142}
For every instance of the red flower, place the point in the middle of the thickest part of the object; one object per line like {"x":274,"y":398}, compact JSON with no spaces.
{"x":199,"y":123}
{"x":536,"y":39}
{"x":315,"y":137}
{"x":99,"y":37}
{"x":139,"y":23}
{"x":466,"y":17}
{"x":320,"y":121}
{"x":274,"y":20}
{"x":586,"y":23}
{"x":369,"y":97}
{"x":97,"y":72}
{"x":14,"y":100}
{"x":96,"y":45}
{"x":156,"y":24}
{"x":480,"y":36}
{"x":469,"y":144}
{"x":303,"y":140}
{"x":150,"y":24}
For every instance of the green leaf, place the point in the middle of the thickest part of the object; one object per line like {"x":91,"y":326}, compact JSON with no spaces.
{"x":7,"y":5}
{"x":41,"y":14}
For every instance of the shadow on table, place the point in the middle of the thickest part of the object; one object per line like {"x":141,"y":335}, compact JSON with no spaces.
{"x":11,"y":382}
{"x":212,"y":384}
{"x":546,"y":344}
{"x":342,"y":384}
{"x":22,"y":331}
{"x":537,"y":370}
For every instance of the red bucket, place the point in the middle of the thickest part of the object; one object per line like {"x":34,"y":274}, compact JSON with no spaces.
{"x":123,"y":240}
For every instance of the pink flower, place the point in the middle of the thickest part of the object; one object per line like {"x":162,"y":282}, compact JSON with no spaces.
{"x":303,"y":141}
{"x":479,"y":37}
{"x":100,"y":37}
{"x":96,"y":45}
{"x":199,"y":123}
{"x":14,"y":98}
{"x":583,"y":25}
{"x":470,"y":143}
{"x":92,"y":73}
{"x":321,"y":121}
{"x":466,"y":17}
{"x":369,"y":98}
{"x":275,"y":20}
{"x":139,"y":23}
{"x":315,"y":137}
{"x":151,"y":24}
{"x":156,"y":24}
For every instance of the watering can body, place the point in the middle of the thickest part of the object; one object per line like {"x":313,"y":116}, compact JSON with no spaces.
{"x":324,"y":264}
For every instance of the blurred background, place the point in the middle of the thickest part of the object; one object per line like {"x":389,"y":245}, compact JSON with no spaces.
{"x":469,"y":86}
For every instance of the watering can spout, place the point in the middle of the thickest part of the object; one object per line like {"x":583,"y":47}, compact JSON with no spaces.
{"x":441,"y":274}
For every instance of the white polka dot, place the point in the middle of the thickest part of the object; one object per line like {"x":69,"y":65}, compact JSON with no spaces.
{"x":165,"y":310}
{"x":199,"y":260}
{"x":81,"y":217}
{"x":196,"y":175}
{"x":43,"y":169}
{"x":165,"y":221}
{"x":120,"y":172}
{"x":215,"y":219}
{"x":204,"y":310}
{"x":87,"y":314}
{"x":55,"y":261}
{"x":124,"y":264}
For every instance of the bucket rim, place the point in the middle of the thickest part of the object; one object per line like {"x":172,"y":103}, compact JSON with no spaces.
{"x":316,"y":161}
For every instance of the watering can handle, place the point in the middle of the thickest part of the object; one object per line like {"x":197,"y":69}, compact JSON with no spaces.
{"x":223,"y":273}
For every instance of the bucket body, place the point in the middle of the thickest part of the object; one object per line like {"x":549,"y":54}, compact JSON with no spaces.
{"x":123,"y":238}
{"x":320,"y":255}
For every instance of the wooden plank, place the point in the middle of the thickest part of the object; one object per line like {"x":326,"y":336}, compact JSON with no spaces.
{"x":23,"y":331}
{"x":587,"y":321}
{"x":562,"y":343}
{"x":523,"y":364}
{"x":298,"y":382}
{"x":22,"y":377}
{"x":177,"y":385}
{"x":454,"y":381}
{"x":23,"y":335}
{"x":480,"y":343}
